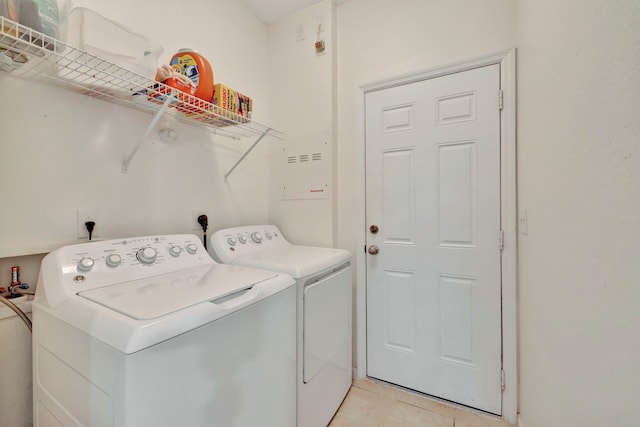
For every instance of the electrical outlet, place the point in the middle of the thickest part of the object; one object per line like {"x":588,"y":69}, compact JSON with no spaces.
{"x":85,"y":215}
{"x":195,"y":213}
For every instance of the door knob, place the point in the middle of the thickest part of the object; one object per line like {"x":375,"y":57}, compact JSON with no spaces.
{"x":373,"y":229}
{"x":373,"y":250}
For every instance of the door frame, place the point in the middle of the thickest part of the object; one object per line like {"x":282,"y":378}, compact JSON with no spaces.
{"x":508,"y":211}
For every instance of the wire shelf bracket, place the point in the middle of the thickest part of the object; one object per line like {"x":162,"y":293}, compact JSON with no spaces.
{"x":156,"y":118}
{"x":246,"y":153}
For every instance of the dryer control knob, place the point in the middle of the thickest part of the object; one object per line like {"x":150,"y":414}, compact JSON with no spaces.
{"x":114,"y":260}
{"x":232,"y":241}
{"x":85,"y":264}
{"x":175,"y":251}
{"x":268,"y":235}
{"x":256,"y":237}
{"x":147,"y":255}
{"x":192,"y":248}
{"x":242,"y":238}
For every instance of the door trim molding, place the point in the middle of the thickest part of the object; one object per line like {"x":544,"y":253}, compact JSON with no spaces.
{"x":508,"y":209}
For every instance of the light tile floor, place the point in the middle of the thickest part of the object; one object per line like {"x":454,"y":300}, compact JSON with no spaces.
{"x":373,"y":404}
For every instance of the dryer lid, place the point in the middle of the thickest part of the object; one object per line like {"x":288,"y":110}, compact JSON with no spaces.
{"x":156,"y":296}
{"x":295,"y":260}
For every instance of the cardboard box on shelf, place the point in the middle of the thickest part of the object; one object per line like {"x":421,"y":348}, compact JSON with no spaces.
{"x":221,"y":96}
{"x":232,"y":100}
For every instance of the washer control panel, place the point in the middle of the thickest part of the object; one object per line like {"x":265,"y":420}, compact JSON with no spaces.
{"x":75,"y":268}
{"x":158,"y":251}
{"x":228,"y":244}
{"x":134,"y":257}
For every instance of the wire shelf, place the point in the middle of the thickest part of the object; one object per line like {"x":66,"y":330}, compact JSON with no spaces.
{"x":31,"y":55}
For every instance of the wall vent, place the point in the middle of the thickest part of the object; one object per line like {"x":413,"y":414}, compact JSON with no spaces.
{"x":306,"y":173}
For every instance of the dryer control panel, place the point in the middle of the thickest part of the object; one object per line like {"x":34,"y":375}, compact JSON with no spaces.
{"x":76,"y":268}
{"x":228,"y":244}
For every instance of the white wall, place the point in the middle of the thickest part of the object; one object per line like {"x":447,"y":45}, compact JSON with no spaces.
{"x":61,"y":151}
{"x":578,"y":164}
{"x":578,"y":176}
{"x":379,"y":39}
{"x":301,"y":87}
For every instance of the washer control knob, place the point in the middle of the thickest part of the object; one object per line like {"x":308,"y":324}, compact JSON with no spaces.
{"x":175,"y":251}
{"x":192,"y":248}
{"x":232,"y":241}
{"x":256,"y":237}
{"x":268,"y":235}
{"x":114,"y":260}
{"x":85,"y":264}
{"x":147,"y":255}
{"x":242,"y":238}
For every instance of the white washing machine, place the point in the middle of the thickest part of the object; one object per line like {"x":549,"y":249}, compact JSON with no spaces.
{"x":150,"y":332}
{"x":323,"y":278}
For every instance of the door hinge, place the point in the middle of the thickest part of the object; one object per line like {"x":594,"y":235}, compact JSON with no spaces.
{"x":502,"y":380}
{"x":500,"y":99}
{"x":501,"y":240}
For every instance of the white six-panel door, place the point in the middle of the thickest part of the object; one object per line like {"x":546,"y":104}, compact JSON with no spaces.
{"x":433,"y":192}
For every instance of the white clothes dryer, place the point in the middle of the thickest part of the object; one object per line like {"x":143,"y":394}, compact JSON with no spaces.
{"x":150,"y":331}
{"x":323,"y":278}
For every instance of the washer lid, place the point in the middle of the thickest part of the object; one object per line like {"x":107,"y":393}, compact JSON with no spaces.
{"x":296,"y":261}
{"x":160,"y":295}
